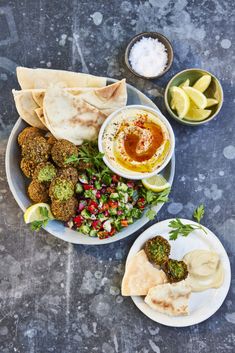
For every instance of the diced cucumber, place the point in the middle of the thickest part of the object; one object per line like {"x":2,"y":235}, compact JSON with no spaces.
{"x":93,"y":233}
{"x":114,"y":196}
{"x":85,"y":214}
{"x":122,"y":187}
{"x":78,"y":188}
{"x":84,"y":229}
{"x":83,"y":178}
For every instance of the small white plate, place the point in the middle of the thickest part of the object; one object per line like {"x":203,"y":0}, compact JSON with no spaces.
{"x":202,"y":305}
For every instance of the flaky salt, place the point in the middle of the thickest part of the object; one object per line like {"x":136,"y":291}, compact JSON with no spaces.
{"x":148,"y":57}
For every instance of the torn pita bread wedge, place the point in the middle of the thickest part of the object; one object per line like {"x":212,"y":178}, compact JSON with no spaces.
{"x":140,"y":275}
{"x":26,"y":106}
{"x":106,"y":99}
{"x":171,"y":299}
{"x":43,"y":78}
{"x":68,"y":117}
{"x":40,"y":115}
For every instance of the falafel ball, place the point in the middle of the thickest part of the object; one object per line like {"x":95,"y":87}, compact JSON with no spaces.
{"x":38,"y":192}
{"x":36,"y":149}
{"x":70,"y":174}
{"x":61,"y":151}
{"x":27,"y":167}
{"x":44,"y":172}
{"x":61,"y":189}
{"x":175,"y":271}
{"x":28,"y":134}
{"x":65,"y":210}
{"x":157,"y":250}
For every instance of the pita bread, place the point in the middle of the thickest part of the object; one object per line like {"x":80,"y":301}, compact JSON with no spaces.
{"x":140,"y":275}
{"x":106,"y":99}
{"x":170,"y":299}
{"x":69,"y":117}
{"x":40,"y":115}
{"x":42,"y":78}
{"x":26,"y":106}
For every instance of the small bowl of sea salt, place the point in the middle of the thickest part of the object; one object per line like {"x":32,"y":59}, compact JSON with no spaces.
{"x":149,"y":55}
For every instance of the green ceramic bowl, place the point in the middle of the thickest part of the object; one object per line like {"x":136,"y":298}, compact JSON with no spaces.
{"x":213,"y":91}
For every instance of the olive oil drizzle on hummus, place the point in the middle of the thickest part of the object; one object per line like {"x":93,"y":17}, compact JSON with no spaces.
{"x":135,"y":146}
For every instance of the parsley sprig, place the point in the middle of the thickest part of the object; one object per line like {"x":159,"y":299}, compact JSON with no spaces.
{"x":37,"y":225}
{"x":199,"y":213}
{"x":178,"y":228}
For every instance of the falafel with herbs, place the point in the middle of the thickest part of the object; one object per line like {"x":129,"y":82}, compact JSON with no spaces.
{"x":50,"y":138}
{"x":61,"y":189}
{"x":44,"y":172}
{"x":70,"y":174}
{"x":28,"y":134}
{"x":36,"y":150}
{"x":61,"y":151}
{"x":157,"y":250}
{"x":64,"y":210}
{"x":175,"y":271}
{"x":27,"y":167}
{"x":38,"y":192}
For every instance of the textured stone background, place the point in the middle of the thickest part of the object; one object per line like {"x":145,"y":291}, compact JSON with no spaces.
{"x":56,"y":297}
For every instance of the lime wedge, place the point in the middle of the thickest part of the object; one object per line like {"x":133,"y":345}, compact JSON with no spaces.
{"x":35,"y":213}
{"x":156,"y":183}
{"x":196,"y":96}
{"x":202,"y":83}
{"x":195,"y":114}
{"x":211,"y":101}
{"x":180,"y":101}
{"x":185,"y":83}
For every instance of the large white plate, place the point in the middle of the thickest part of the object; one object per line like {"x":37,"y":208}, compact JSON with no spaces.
{"x":18,"y":183}
{"x":202,"y":304}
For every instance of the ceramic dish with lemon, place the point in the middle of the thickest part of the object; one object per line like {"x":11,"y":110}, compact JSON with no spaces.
{"x":193,"y":97}
{"x":57,"y":173}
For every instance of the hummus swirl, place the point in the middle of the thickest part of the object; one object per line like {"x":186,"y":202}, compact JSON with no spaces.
{"x":136,"y":140}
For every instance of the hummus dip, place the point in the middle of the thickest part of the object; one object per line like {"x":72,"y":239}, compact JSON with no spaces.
{"x":205,"y":270}
{"x":136,"y":140}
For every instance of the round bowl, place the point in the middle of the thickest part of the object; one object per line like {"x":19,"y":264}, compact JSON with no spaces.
{"x":154,"y":35}
{"x":18,"y":182}
{"x":130,"y":174}
{"x":213,"y":91}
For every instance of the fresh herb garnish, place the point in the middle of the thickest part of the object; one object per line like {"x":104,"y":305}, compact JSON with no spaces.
{"x":37,"y":225}
{"x":199,"y":213}
{"x":154,"y":198}
{"x":151,"y":214}
{"x":178,"y":228}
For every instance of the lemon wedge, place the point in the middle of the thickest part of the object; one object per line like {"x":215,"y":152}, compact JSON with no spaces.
{"x":196,"y":114}
{"x":180,"y":101}
{"x":35,"y":213}
{"x":156,"y":183}
{"x":196,"y":96}
{"x":211,"y":101}
{"x":202,"y":83}
{"x":185,"y":83}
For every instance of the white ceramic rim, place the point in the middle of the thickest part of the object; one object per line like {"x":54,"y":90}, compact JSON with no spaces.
{"x":72,"y":236}
{"x":183,"y":321}
{"x":132,"y":175}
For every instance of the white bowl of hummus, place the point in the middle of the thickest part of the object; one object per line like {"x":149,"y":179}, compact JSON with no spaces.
{"x":137,"y":142}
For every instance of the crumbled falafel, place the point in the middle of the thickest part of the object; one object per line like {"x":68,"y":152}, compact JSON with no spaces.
{"x":61,"y":189}
{"x":28,"y":134}
{"x":27,"y":167}
{"x":50,"y":139}
{"x":157,"y":250}
{"x":65,"y":210}
{"x":61,"y":151}
{"x":175,"y":271}
{"x":70,"y":174}
{"x":38,"y":192}
{"x":36,"y":149}
{"x":44,"y":172}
